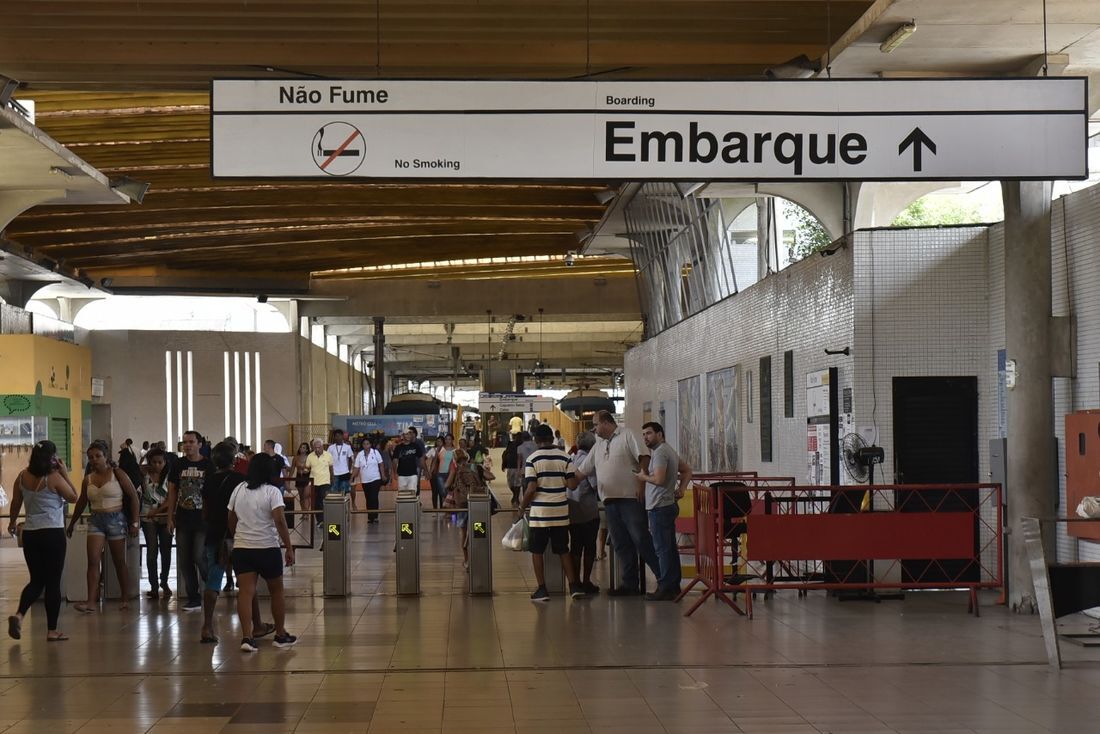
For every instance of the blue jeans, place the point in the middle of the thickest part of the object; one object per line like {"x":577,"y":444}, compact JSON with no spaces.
{"x":662,"y":524}
{"x":191,"y":557}
{"x":626,"y":521}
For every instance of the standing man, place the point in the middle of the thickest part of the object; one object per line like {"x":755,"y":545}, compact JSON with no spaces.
{"x":548,"y":476}
{"x":408,"y":462}
{"x":515,"y":425}
{"x":319,"y":464}
{"x":584,"y":519}
{"x":666,"y":480}
{"x":341,"y":463}
{"x":186,"y":479}
{"x":615,"y":460}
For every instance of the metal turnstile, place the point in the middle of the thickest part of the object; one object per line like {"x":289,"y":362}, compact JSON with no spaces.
{"x":74,"y":579}
{"x":553,"y":572}
{"x":337,"y":546}
{"x":111,"y":588}
{"x":407,"y":518}
{"x":613,"y":570}
{"x":479,"y":544}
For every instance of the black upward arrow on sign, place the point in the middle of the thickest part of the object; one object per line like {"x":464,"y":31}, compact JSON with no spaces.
{"x":918,"y":140}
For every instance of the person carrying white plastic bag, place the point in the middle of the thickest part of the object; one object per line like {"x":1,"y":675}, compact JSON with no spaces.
{"x":518,"y":536}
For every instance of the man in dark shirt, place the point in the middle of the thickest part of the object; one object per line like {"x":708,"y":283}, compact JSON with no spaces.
{"x":408,"y":461}
{"x":185,"y":483}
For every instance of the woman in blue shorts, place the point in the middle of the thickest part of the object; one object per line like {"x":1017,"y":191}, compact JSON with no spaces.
{"x":105,"y":489}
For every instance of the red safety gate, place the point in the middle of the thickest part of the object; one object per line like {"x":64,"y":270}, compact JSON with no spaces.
{"x":805,"y":538}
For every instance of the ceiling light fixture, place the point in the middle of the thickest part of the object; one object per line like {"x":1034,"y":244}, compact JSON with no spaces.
{"x":898,"y":37}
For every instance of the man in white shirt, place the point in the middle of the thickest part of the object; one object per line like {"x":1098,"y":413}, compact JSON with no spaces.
{"x":615,"y":460}
{"x":341,"y":454}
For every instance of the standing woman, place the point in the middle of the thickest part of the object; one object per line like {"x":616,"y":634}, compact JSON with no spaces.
{"x":435,"y":453}
{"x":462,"y":481}
{"x":444,"y":459}
{"x":301,"y":481}
{"x":105,"y":489}
{"x":259,"y":528}
{"x":369,"y":470}
{"x":43,"y":488}
{"x":154,"y":523}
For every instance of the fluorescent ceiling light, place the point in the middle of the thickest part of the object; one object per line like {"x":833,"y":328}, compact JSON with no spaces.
{"x":898,"y":37}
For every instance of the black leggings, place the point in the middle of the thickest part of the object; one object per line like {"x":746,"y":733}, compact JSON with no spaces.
{"x":44,"y":551}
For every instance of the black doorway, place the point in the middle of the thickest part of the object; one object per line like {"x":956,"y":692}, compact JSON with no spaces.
{"x":936,"y":442}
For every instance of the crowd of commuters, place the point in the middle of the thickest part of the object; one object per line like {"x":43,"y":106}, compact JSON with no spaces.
{"x":639,"y":486}
{"x":230,"y":511}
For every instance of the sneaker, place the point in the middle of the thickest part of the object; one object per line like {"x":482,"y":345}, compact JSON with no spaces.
{"x":590,"y":588}
{"x":576,"y":591}
{"x":249,"y":645}
{"x":192,"y":606}
{"x":286,"y":640}
{"x":540,"y":594}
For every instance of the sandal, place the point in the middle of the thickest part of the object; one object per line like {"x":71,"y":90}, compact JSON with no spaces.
{"x":84,"y":609}
{"x":15,"y":627}
{"x":59,"y":637}
{"x":263,"y":631}
{"x":124,"y":606}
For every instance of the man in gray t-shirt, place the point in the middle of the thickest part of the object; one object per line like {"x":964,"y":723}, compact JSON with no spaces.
{"x":666,"y":479}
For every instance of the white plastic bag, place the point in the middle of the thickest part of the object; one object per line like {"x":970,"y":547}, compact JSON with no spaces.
{"x":1089,"y":508}
{"x":3,"y":496}
{"x":516,"y":538}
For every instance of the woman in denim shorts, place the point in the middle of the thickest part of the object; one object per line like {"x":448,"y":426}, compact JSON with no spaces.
{"x":105,"y":489}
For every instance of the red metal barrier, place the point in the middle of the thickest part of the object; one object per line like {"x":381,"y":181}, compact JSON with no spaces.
{"x":809,"y":538}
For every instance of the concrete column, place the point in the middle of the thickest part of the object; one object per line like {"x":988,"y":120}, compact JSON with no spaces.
{"x":765,"y":236}
{"x":1030,"y":403}
{"x":379,"y":364}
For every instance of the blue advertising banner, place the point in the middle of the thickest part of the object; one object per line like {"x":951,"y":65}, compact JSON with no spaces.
{"x":392,"y":425}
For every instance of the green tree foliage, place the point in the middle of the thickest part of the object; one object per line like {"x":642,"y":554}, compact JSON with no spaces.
{"x":808,"y":234}
{"x":930,"y":211}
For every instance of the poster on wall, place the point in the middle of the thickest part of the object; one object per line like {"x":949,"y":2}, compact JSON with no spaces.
{"x":393,"y":425}
{"x":722,"y":420}
{"x":691,"y":423}
{"x":819,"y":436}
{"x":16,"y":432}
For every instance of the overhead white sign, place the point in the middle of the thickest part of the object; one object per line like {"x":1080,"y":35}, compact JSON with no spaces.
{"x":755,"y":131}
{"x":503,"y":402}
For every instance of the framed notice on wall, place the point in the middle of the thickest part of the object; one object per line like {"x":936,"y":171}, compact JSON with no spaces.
{"x":822,"y":460}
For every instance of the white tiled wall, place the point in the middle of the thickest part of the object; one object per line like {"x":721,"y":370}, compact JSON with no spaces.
{"x":1075,"y":232}
{"x":806,"y":308}
{"x":934,"y":300}
{"x":921,"y":310}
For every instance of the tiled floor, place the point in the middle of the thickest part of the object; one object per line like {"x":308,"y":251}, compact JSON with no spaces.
{"x":447,"y":662}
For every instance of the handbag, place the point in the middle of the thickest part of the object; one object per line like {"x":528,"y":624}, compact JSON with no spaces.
{"x":449,"y":502}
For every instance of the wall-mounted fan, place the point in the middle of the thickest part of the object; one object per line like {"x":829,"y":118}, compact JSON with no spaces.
{"x":859,"y":458}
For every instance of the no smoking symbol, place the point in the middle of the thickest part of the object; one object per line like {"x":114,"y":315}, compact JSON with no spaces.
{"x":339,"y":148}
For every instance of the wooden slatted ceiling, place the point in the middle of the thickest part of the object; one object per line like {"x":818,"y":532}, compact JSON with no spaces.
{"x":136,"y":61}
{"x":183,"y":43}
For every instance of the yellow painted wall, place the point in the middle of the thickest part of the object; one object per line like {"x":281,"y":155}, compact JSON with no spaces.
{"x":35,"y":365}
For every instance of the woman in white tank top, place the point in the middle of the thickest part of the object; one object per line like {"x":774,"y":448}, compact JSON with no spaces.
{"x":105,"y":489}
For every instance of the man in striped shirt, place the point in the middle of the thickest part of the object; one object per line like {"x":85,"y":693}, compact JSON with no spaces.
{"x":547,"y":475}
